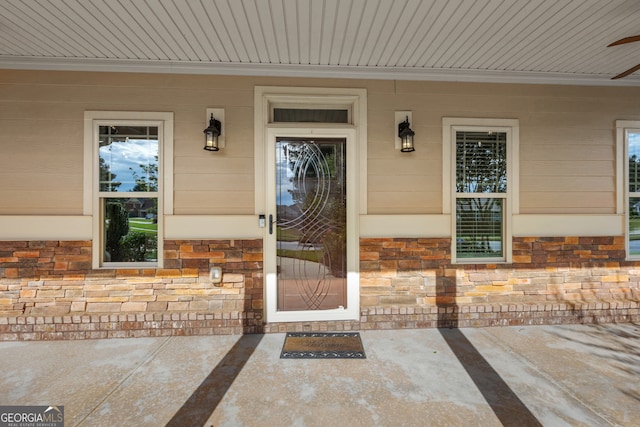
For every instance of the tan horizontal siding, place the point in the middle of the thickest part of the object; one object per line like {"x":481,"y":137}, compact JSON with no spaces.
{"x":577,"y":169}
{"x":410,"y":202}
{"x":221,"y":182}
{"x":576,"y":153}
{"x":220,"y":201}
{"x":41,"y":116}
{"x":205,"y":164}
{"x":567,"y":139}
{"x":40,"y":201}
{"x":17,"y":180}
{"x":543,"y":135}
{"x":204,"y":182}
{"x":40,"y":160}
{"x":550,"y":183}
{"x":595,"y":202}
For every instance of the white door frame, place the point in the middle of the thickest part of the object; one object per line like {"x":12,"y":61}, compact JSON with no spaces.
{"x":355,"y":136}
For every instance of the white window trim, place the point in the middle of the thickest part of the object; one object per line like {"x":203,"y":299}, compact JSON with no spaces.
{"x":623,"y":127}
{"x":92,"y":119}
{"x":512,"y":127}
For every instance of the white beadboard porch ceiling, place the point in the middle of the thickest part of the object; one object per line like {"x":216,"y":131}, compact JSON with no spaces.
{"x":528,"y":41}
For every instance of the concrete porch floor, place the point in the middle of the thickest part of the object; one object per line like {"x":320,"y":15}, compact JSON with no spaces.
{"x":574,"y":375}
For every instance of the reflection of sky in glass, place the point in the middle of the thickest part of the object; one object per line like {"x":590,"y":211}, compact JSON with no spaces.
{"x":634,"y":144}
{"x":125,"y":157}
{"x":283,"y":177}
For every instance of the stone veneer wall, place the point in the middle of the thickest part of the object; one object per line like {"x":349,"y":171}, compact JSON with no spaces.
{"x":49,"y":291}
{"x":411,"y":283}
{"x":544,"y":270}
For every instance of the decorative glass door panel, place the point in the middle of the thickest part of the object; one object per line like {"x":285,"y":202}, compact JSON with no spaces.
{"x":310,"y":224}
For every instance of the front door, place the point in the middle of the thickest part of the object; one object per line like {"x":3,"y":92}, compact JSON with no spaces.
{"x":310,"y":224}
{"x":310,"y":264}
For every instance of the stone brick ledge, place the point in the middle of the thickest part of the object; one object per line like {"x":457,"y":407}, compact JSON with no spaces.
{"x":132,"y":325}
{"x":469,"y":316}
{"x":106,"y":325}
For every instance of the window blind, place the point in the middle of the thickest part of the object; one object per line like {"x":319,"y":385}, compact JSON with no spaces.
{"x":481,"y":162}
{"x":481,"y":185}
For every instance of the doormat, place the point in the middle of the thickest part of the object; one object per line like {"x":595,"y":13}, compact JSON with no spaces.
{"x":322,"y":345}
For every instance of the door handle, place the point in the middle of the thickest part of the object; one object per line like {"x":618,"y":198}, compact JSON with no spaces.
{"x":271,"y":224}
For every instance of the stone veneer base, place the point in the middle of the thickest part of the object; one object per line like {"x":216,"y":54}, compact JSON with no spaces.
{"x":96,"y":326}
{"x":49,"y":291}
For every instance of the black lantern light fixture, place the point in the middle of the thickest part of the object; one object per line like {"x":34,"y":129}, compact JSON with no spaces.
{"x":406,"y":136}
{"x":211,"y":135}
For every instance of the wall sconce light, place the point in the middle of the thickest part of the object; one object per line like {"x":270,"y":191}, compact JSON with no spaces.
{"x":213,"y":137}
{"x":404,"y":135}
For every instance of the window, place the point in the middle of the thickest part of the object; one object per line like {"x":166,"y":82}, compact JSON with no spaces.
{"x":127,"y":188}
{"x":480,"y":156}
{"x":631,"y":135}
{"x":310,"y":115}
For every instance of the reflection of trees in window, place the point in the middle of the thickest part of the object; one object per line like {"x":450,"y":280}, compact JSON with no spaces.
{"x":481,"y":162}
{"x":634,"y":173}
{"x":140,"y":246}
{"x":332,"y":209}
{"x":479,"y":227}
{"x":633,"y":178}
{"x":107,"y":178}
{"x":318,"y":192}
{"x":131,"y":231}
{"x":117,"y":226}
{"x":481,"y":168}
{"x":148,"y":179}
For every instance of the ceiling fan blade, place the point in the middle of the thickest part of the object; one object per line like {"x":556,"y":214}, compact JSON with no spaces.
{"x":625,"y":40}
{"x":626,"y":73}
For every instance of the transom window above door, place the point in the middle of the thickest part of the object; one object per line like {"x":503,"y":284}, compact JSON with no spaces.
{"x":310,"y":115}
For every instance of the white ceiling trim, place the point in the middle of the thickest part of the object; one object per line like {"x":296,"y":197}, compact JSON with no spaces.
{"x":309,"y":71}
{"x":523,"y":41}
